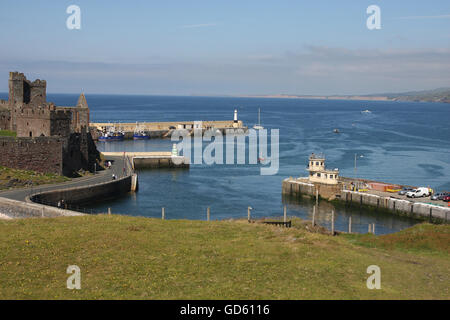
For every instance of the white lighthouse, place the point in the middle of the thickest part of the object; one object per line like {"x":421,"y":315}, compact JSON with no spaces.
{"x":235,"y":119}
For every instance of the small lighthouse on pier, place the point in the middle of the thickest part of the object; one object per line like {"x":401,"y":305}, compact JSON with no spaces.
{"x":235,"y":119}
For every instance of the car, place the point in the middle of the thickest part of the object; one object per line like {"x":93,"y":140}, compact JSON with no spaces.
{"x":446,"y":198}
{"x":419,"y":192}
{"x":439,"y":195}
{"x":405,"y":190}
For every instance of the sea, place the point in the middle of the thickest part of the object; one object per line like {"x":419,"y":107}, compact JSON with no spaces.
{"x":397,"y":142}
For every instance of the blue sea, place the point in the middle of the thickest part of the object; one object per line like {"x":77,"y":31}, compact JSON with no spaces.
{"x":399,"y":142}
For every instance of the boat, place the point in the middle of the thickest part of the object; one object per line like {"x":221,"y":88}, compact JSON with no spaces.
{"x":139,"y":133}
{"x":258,"y":126}
{"x":336,"y":130}
{"x":366,"y":111}
{"x":111,"y":135}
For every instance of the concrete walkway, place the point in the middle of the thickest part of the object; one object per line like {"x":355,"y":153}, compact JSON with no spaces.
{"x":99,"y":177}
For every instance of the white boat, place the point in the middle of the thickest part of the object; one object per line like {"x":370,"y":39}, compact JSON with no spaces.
{"x":366,"y":111}
{"x":258,"y":126}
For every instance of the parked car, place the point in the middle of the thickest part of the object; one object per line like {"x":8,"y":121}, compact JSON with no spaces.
{"x":446,"y":198}
{"x":404,"y":191}
{"x":439,"y":195}
{"x":419,"y":192}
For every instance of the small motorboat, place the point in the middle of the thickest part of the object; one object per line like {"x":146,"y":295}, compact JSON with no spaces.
{"x":336,"y":130}
{"x":366,"y":111}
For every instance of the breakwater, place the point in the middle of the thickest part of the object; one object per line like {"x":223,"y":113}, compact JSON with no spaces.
{"x":164,"y":129}
{"x":414,"y":209}
{"x":159,"y":159}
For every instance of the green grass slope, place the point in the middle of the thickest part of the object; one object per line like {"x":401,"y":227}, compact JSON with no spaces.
{"x":139,"y":258}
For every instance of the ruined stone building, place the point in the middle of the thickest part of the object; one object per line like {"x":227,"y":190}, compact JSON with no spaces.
{"x":49,"y":138}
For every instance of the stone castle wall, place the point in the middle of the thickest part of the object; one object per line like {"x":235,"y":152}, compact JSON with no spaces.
{"x":5,"y":119}
{"x":41,"y":154}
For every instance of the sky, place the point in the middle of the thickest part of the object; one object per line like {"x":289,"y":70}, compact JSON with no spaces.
{"x":209,"y":47}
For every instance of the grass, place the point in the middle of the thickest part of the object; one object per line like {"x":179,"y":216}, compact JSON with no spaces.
{"x":16,"y":178}
{"x":140,"y":258}
{"x":7,"y":133}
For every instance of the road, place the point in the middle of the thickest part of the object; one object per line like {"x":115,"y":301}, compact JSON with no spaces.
{"x":99,"y":177}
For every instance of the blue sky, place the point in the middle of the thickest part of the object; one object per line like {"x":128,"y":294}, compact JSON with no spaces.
{"x":227,"y":47}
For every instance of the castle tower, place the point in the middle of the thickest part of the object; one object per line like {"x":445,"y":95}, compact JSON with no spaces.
{"x":81,"y":115}
{"x":16,"y":88}
{"x":22,"y":91}
{"x":82,"y":103}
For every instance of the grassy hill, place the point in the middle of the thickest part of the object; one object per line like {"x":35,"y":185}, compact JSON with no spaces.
{"x":141,"y":258}
{"x":16,"y":178}
{"x":436,"y":95}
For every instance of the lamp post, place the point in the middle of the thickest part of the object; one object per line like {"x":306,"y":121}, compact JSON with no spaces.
{"x":356,"y":170}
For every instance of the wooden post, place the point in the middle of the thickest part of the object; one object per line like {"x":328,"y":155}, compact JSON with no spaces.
{"x":314,"y":216}
{"x":208,"y":213}
{"x":373,"y":228}
{"x":109,"y":211}
{"x":350,"y":224}
{"x":285,"y":217}
{"x":332,"y":222}
{"x":163,"y":213}
{"x":248,"y":213}
{"x":370,"y":228}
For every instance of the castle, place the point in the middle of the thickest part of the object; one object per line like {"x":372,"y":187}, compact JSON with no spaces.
{"x":49,"y":138}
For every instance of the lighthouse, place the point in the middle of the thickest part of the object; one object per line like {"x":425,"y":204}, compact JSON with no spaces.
{"x":235,"y":119}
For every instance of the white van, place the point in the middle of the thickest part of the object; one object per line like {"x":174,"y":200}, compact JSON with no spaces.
{"x":419,"y":192}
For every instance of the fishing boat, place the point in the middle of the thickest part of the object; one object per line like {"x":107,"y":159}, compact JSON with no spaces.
{"x":258,"y":126}
{"x":336,"y":130}
{"x":111,"y":135}
{"x":366,"y":111}
{"x":139,"y":133}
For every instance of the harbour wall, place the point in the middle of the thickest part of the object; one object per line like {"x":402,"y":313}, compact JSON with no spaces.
{"x":165,"y":126}
{"x":412,"y":209}
{"x":18,"y":209}
{"x":85,"y":194}
{"x":159,"y":162}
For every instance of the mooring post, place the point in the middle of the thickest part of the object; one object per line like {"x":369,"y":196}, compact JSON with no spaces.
{"x":350,"y":224}
{"x":285,"y":217}
{"x":373,"y":228}
{"x":370,"y":228}
{"x":109,"y":211}
{"x":332,"y":222}
{"x":163,"y":214}
{"x":208,"y":213}
{"x":317,"y":197}
{"x":314,"y":216}
{"x":248,"y":213}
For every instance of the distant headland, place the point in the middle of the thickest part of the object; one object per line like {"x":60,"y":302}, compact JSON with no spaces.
{"x":436,"y":95}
